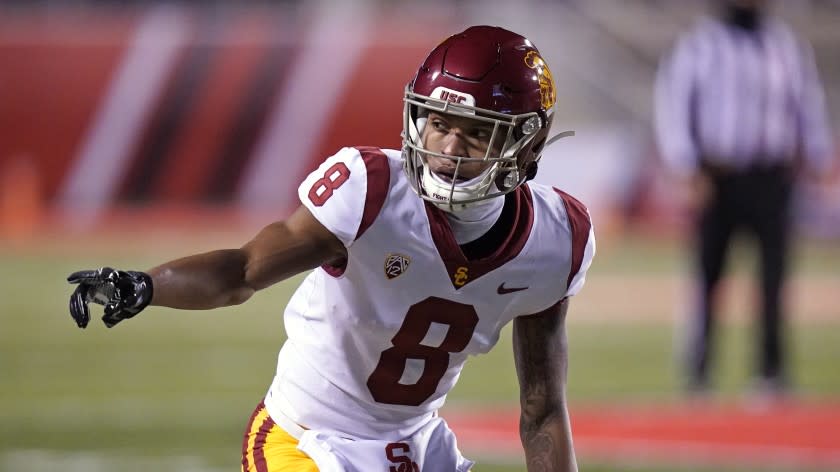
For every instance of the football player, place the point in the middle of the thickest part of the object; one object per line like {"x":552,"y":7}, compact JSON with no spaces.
{"x":405,"y":289}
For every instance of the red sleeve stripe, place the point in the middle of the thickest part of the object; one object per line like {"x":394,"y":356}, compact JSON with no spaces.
{"x":580,"y":226}
{"x":378,"y":181}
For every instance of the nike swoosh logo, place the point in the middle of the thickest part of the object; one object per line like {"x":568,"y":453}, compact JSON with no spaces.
{"x":502,"y":290}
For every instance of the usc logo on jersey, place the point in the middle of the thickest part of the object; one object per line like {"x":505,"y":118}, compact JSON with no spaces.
{"x":396,"y":265}
{"x":397,"y":453}
{"x":460,"y":276}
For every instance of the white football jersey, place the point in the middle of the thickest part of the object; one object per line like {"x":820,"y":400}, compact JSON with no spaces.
{"x":375,"y":344}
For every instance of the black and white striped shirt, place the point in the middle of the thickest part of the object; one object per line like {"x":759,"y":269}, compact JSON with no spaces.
{"x":739,"y":98}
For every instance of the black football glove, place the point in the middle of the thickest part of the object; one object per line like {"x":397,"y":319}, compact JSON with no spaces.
{"x":123,"y":293}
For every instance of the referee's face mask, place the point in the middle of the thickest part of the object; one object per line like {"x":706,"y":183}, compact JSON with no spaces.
{"x":743,"y":13}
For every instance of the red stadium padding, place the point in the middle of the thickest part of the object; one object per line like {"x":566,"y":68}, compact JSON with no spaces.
{"x":791,"y":434}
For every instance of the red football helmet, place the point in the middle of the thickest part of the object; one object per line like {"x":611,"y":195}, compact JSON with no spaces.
{"x":488,"y":74}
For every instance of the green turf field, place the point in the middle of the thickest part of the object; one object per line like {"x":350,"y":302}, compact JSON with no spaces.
{"x":171,"y":391}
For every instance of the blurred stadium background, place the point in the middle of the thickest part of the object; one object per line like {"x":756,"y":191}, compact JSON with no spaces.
{"x":132,"y":132}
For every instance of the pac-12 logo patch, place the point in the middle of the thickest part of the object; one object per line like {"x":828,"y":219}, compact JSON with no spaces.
{"x":396,"y":264}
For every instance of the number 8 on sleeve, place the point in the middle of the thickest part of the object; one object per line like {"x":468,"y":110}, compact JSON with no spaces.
{"x":333,"y":178}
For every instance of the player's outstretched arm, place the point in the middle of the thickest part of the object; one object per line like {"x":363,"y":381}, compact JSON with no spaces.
{"x":212,"y":279}
{"x":539,"y":347}
{"x":230,"y":276}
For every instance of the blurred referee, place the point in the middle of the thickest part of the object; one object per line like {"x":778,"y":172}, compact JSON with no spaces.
{"x":739,"y":112}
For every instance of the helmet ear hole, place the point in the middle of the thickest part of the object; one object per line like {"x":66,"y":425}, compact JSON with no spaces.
{"x":530,"y":170}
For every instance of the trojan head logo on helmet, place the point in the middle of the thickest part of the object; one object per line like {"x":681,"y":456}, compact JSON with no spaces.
{"x":495,"y":77}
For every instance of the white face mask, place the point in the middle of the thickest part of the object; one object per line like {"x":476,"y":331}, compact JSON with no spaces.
{"x":505,"y":163}
{"x":440,"y":190}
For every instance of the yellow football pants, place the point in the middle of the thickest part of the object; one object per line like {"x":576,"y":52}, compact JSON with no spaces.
{"x":266,"y":447}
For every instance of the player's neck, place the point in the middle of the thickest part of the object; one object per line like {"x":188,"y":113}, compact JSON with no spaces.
{"x":471,"y":223}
